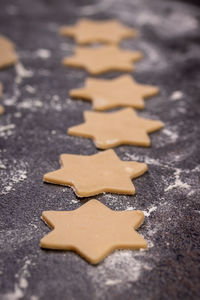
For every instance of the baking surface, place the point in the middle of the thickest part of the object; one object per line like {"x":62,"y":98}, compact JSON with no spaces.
{"x":33,"y":133}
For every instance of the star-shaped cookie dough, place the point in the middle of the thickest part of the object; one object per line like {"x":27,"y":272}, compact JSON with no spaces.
{"x":88,"y":31}
{"x":1,"y":107}
{"x":116,"y":128}
{"x":103,"y":59}
{"x":8,"y":55}
{"x":121,"y":91}
{"x":95,"y":174}
{"x":93,"y":230}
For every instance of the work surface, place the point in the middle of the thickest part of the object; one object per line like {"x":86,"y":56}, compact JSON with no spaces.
{"x":33,"y":129}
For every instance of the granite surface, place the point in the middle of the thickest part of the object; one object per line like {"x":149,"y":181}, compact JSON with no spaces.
{"x":33,"y":129}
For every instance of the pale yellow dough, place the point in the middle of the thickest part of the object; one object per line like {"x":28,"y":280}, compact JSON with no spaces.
{"x":110,"y":93}
{"x":89,"y":31}
{"x":95,"y":174}
{"x":103,"y":59}
{"x":109,"y":130}
{"x":93,"y":230}
{"x":8,"y":55}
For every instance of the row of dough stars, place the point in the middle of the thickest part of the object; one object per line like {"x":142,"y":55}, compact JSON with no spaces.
{"x":93,"y":230}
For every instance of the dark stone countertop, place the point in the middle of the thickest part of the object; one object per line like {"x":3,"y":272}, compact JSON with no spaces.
{"x":33,"y":129}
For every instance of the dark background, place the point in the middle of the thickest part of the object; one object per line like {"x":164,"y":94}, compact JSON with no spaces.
{"x":33,"y":129}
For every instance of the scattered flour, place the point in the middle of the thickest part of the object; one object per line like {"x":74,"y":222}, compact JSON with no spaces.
{"x":119,"y":269}
{"x":177,"y":95}
{"x":56,"y":103}
{"x":112,"y":282}
{"x":21,"y":285}
{"x":7,"y":130}
{"x":30,"y":89}
{"x":102,"y":5}
{"x":43,"y":53}
{"x":18,"y":114}
{"x":171,"y":134}
{"x":142,"y":158}
{"x":2,"y":166}
{"x":153,"y":58}
{"x":130,"y":208}
{"x":22,"y":72}
{"x":178,"y":183}
{"x":74,"y":201}
{"x":13,"y":174}
{"x":30,"y":104}
{"x":148,"y":212}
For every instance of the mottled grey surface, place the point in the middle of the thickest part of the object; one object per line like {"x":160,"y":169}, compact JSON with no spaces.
{"x":33,"y":129}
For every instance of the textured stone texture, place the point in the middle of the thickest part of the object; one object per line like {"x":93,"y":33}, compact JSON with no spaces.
{"x":33,"y":129}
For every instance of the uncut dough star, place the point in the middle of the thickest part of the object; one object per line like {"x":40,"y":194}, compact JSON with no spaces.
{"x":88,"y":31}
{"x":111,"y":93}
{"x":93,"y":230}
{"x":95,"y":174}
{"x":103,"y":59}
{"x":116,"y":128}
{"x":8,"y":55}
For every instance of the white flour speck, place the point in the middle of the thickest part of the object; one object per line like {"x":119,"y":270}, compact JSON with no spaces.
{"x":177,"y":95}
{"x":112,"y":282}
{"x":130,"y":208}
{"x":146,"y":159}
{"x":21,"y":285}
{"x":7,"y":130}
{"x":30,"y":103}
{"x":148,"y":212}
{"x":2,"y":166}
{"x":178,"y":183}
{"x":30,"y":89}
{"x":17,"y":114}
{"x":171,"y":134}
{"x":119,"y":269}
{"x":22,"y":72}
{"x":15,"y":172}
{"x":43,"y":53}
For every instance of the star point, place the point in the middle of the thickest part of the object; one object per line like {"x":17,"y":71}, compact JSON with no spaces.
{"x":116,"y":128}
{"x":93,"y":230}
{"x":95,"y":174}
{"x":8,"y":55}
{"x":112,"y":93}
{"x":87,"y":31}
{"x":103,"y":59}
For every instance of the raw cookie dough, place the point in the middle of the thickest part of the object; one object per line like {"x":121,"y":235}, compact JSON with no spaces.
{"x":93,"y":230}
{"x":8,"y":55}
{"x":116,"y":128}
{"x":95,"y":174}
{"x":121,"y":91}
{"x":88,"y":31}
{"x":1,"y":107}
{"x":103,"y":59}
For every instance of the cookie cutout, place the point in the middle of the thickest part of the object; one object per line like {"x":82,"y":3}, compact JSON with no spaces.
{"x":111,"y":93}
{"x":95,"y":174}
{"x":103,"y":59}
{"x":93,"y":230}
{"x":8,"y":55}
{"x":1,"y":107}
{"x":88,"y":31}
{"x":123,"y":127}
